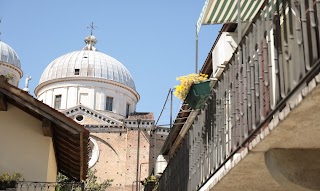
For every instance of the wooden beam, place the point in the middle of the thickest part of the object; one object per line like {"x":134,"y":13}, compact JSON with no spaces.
{"x":3,"y":102}
{"x":68,"y":138}
{"x":67,"y":148}
{"x":82,"y":173}
{"x":68,"y":159}
{"x":69,"y":170}
{"x":47,"y":127}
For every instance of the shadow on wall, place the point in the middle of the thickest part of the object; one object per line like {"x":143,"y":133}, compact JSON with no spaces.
{"x":295,"y":169}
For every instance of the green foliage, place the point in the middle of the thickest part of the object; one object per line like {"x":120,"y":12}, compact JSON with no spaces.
{"x":150,"y":183}
{"x":90,"y":184}
{"x":7,"y":177}
{"x":149,"y":179}
{"x":16,"y":177}
{"x":9,"y":181}
{"x":156,"y":187}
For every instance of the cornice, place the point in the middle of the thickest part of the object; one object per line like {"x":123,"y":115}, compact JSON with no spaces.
{"x":89,"y":79}
{"x":81,"y":109}
{"x":12,"y":67}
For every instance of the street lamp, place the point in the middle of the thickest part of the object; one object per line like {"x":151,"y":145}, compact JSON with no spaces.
{"x":138,"y":150}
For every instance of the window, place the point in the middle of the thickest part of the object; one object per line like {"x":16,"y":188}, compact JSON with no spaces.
{"x":83,"y":99}
{"x":57,"y":102}
{"x":127,"y":110}
{"x":76,"y":71}
{"x":79,"y":118}
{"x":109,"y":103}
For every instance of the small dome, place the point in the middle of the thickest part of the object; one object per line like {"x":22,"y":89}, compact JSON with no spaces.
{"x":88,"y":63}
{"x":8,"y":55}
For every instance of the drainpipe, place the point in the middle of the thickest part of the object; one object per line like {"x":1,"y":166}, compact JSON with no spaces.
{"x":138,"y":150}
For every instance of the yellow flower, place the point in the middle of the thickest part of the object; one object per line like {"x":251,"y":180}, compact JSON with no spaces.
{"x":186,"y":82}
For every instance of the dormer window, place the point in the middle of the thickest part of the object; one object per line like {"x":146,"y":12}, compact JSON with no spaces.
{"x":76,"y":71}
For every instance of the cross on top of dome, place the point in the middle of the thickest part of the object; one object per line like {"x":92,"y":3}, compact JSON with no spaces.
{"x":90,"y":40}
{"x":92,"y":27}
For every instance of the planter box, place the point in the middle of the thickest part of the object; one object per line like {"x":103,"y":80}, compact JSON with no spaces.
{"x":149,"y":186}
{"x":198,"y":95}
{"x":7,"y":184}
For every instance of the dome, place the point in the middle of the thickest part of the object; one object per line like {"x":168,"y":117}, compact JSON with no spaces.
{"x":8,"y":55}
{"x":88,"y":63}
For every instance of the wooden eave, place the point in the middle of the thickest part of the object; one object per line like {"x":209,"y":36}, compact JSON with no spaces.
{"x":180,"y":120}
{"x":70,"y":139}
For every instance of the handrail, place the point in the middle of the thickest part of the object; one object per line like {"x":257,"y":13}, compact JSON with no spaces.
{"x":30,"y":185}
{"x":277,"y":57}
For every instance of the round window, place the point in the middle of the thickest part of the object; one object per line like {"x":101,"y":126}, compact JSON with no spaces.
{"x":79,"y":117}
{"x":93,"y":152}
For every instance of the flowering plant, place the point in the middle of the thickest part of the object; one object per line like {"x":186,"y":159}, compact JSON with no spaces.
{"x":9,"y":181}
{"x":186,"y":82}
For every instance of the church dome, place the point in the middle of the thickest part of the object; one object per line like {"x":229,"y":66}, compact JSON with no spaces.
{"x":88,"y":62}
{"x":8,"y":55}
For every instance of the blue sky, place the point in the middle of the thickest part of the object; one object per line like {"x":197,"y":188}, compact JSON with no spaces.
{"x":155,"y":40}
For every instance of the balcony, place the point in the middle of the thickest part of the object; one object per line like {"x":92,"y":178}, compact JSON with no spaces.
{"x":259,"y":129}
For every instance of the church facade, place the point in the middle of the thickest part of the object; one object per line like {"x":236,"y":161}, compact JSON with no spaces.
{"x":98,"y":91}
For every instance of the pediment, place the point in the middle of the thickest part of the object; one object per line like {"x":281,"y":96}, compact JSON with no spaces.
{"x":99,"y":118}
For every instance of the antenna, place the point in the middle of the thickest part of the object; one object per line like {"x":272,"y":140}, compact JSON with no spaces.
{"x":92,"y":27}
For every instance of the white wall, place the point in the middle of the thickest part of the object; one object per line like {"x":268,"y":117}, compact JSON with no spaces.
{"x":223,"y":50}
{"x":97,"y":93}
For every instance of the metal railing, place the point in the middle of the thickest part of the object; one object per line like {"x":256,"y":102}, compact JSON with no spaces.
{"x":49,"y":186}
{"x":277,"y":56}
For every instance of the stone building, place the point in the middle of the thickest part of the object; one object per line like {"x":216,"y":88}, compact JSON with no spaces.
{"x":98,"y":92}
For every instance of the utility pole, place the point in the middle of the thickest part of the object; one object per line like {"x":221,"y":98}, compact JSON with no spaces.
{"x":170,"y":136}
{"x":138,"y":150}
{"x":196,"y":50}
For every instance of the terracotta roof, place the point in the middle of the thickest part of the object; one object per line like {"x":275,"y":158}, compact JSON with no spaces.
{"x":70,"y":139}
{"x":141,"y":115}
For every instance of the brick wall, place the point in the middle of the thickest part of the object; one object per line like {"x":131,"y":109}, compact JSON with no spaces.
{"x":112,"y":159}
{"x":118,"y":158}
{"x":131,"y":164}
{"x":156,"y":143}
